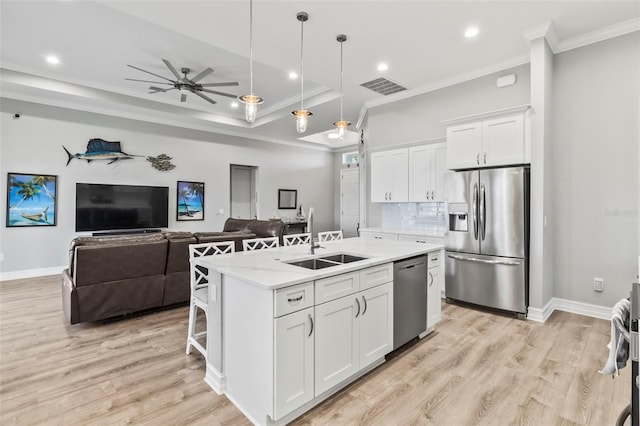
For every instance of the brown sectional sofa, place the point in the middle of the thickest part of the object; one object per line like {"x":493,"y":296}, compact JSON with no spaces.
{"x":117,"y":275}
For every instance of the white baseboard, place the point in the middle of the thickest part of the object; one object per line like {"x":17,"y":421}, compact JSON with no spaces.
{"x":580,"y":308}
{"x":31,"y":273}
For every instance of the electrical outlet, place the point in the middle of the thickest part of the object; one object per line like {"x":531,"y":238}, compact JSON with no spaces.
{"x":598,"y":284}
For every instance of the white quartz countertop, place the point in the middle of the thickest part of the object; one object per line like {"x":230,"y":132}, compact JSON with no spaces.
{"x":268,"y":268}
{"x":422,"y":232}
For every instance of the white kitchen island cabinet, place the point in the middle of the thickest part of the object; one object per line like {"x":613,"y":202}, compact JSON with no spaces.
{"x":282,"y":338}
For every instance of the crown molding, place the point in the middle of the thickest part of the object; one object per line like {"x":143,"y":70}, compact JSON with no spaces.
{"x":601,"y":34}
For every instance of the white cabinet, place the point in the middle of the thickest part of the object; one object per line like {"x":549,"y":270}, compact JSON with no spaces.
{"x":351,"y":333}
{"x":434,"y":285}
{"x":336,"y":342}
{"x":389,"y":178}
{"x":376,"y":324}
{"x":421,"y":239}
{"x":294,"y":361}
{"x":427,"y":165}
{"x":485,"y":140}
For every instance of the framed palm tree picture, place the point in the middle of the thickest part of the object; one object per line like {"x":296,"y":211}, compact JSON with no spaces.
{"x":31,"y":199}
{"x":190,"y":201}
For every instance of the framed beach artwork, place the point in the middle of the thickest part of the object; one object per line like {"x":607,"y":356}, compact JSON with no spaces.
{"x":190,"y":201}
{"x":31,"y":199}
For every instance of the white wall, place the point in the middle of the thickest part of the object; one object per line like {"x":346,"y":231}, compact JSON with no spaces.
{"x":33,"y":144}
{"x":419,"y":118}
{"x":595,"y":161}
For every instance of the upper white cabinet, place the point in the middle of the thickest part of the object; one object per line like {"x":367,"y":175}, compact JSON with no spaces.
{"x":389,"y":178}
{"x":427,"y":166}
{"x":493,"y":139}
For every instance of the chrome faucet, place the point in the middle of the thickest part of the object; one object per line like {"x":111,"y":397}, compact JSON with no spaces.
{"x":313,"y":245}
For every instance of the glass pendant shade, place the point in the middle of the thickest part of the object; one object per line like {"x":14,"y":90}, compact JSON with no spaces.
{"x":251,"y":103}
{"x":302,"y":119}
{"x":341,"y":125}
{"x":341,"y":128}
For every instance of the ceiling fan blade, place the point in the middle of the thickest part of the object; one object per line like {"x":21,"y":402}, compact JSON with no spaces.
{"x":160,"y":89}
{"x":228,"y":83}
{"x":149,"y":72}
{"x":148,"y":81}
{"x":228,"y":95}
{"x":203,"y":74}
{"x":206,"y":98}
{"x":183,"y":97}
{"x":172,"y":69}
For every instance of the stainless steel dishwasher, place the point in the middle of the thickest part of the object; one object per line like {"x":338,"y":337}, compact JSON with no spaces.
{"x":409,"y":299}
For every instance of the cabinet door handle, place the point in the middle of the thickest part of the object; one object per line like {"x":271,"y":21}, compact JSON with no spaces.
{"x":365,"y":305}
{"x":433,"y":194}
{"x":311,"y":331}
{"x":358,"y":303}
{"x":295,"y":299}
{"x":389,"y":195}
{"x":377,"y":237}
{"x":386,"y":195}
{"x":478,"y":158}
{"x":485,"y":158}
{"x":431,"y":277}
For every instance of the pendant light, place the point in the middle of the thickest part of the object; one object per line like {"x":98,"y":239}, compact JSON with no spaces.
{"x":250,"y":101}
{"x":302,"y":115}
{"x":341,"y":125}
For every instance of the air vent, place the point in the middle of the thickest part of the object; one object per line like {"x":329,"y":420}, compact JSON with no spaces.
{"x":383,"y":86}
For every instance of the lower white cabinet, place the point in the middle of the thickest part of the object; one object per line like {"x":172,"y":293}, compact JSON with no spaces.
{"x":434,"y":286}
{"x":294,"y":359}
{"x":351,"y":333}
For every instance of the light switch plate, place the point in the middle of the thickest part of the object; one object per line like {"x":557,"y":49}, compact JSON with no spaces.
{"x":598,"y":284}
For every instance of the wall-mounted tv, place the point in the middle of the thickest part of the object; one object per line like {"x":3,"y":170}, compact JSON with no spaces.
{"x":101,"y":207}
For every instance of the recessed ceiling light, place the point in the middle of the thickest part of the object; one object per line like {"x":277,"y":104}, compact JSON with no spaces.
{"x":234,"y":105}
{"x":471,"y":32}
{"x":293,"y":75}
{"x":53,"y":60}
{"x":383,"y":67}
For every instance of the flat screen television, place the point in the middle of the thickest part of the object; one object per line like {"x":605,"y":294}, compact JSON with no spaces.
{"x":101,"y":207}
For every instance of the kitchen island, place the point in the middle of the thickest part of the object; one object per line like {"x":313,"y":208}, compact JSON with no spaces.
{"x":281,"y":337}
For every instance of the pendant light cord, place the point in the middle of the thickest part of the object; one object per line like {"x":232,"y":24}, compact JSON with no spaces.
{"x":301,"y":65}
{"x":341,"y":77}
{"x":251,"y":46}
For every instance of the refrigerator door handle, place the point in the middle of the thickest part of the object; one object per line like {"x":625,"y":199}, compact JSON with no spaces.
{"x":483,"y":213}
{"x":474,"y":209}
{"x":492,"y":262}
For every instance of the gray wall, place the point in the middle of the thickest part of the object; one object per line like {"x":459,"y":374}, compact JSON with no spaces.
{"x":33,"y":144}
{"x":595,"y":161}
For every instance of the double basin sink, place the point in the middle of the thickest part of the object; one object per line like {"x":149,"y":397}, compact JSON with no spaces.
{"x":326,"y":261}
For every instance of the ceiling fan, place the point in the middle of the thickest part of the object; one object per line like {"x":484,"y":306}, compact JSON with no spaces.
{"x":185,"y":83}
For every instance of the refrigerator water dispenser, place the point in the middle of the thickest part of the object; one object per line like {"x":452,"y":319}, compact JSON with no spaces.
{"x":458,"y":217}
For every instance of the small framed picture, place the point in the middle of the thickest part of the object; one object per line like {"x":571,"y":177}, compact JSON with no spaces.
{"x":190,"y":201}
{"x":31,"y":199}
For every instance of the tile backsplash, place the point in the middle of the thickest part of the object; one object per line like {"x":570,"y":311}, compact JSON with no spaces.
{"x":427,"y":216}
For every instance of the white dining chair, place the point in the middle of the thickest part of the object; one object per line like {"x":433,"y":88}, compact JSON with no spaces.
{"x":199,"y":289}
{"x":329,"y":236}
{"x":295,"y":239}
{"x":260,"y":243}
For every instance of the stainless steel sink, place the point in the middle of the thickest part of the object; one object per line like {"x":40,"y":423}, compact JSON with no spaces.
{"x":326,"y":261}
{"x":343,"y":258}
{"x":313,"y":264}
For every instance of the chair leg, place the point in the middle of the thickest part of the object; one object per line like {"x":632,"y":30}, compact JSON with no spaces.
{"x":192,"y":325}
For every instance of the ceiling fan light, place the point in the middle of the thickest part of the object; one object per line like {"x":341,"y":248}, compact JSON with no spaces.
{"x":251,"y":103}
{"x":302,"y":119}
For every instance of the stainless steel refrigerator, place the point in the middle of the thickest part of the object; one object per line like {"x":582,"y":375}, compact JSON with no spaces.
{"x":487,"y":243}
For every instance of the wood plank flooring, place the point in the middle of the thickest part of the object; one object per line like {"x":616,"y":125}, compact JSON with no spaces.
{"x":478,"y":368}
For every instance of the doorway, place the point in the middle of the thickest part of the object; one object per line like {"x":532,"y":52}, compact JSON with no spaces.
{"x":349,"y":202}
{"x":244,"y":192}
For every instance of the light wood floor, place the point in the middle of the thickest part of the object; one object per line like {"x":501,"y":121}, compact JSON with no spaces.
{"x":477,"y":368}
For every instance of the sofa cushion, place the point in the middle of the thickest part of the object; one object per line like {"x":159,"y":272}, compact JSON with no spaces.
{"x":109,"y":240}
{"x":99,"y":263}
{"x":214,"y":237}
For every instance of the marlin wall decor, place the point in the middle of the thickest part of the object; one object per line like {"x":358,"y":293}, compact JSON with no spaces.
{"x":100,"y":149}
